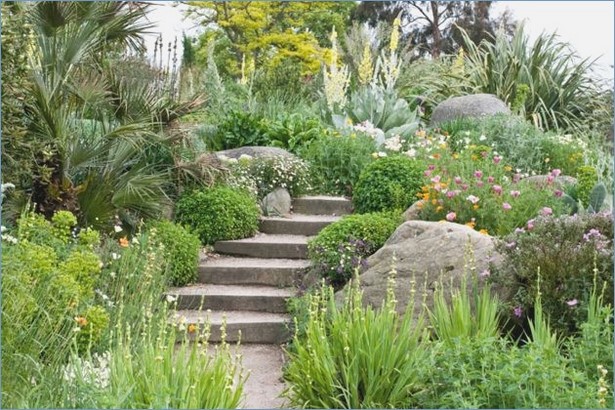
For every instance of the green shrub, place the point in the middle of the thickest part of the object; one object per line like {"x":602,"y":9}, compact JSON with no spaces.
{"x":91,"y":324}
{"x":389,"y":183}
{"x":343,"y":246}
{"x":337,"y":160}
{"x":356,"y":357}
{"x":238,"y":129}
{"x":587,"y":178}
{"x":181,"y":252}
{"x":219,"y":213}
{"x":293,"y":131}
{"x":567,"y":252}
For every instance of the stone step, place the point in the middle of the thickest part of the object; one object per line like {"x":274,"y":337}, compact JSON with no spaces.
{"x":228,"y":270}
{"x":266,"y":246}
{"x":322,"y":205}
{"x":247,"y":327}
{"x":229,"y":297}
{"x":296,"y":224}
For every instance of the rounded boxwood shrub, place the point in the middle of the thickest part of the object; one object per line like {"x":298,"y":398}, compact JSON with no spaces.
{"x":387,"y":184}
{"x":343,"y":246}
{"x":219,"y":213}
{"x":181,"y":251}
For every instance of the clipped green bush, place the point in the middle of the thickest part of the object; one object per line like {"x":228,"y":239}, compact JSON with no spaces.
{"x":587,"y":178}
{"x":219,"y":213}
{"x":389,"y":183}
{"x":181,"y":252}
{"x":343,"y":246}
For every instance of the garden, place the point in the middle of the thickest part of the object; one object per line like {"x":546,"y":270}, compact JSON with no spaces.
{"x":121,"y":168}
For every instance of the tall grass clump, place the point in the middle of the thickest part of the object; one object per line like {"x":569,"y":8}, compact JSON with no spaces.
{"x":356,"y":357}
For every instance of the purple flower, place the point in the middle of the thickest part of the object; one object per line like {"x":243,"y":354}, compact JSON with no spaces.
{"x":518,"y":311}
{"x":497,"y":189}
{"x":431,"y":167}
{"x":515,"y":194}
{"x":427,"y":173}
{"x":572,"y":302}
{"x":490,"y":179}
{"x":478,"y":174}
{"x":464,"y":187}
{"x":530,"y":224}
{"x":556,"y":172}
{"x":452,"y":194}
{"x":550,"y":179}
{"x":497,"y":159}
{"x":558,"y":193}
{"x":506,"y":206}
{"x":457,"y":180}
{"x":592,"y":232}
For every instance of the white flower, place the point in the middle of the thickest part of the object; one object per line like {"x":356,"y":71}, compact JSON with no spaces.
{"x":382,"y":154}
{"x":473,"y":199}
{"x":115,"y":256}
{"x":393,"y":143}
{"x":411,"y":153}
{"x":482,"y":138}
{"x":135,"y":240}
{"x":245,"y":157}
{"x":171,"y":298}
{"x":117,"y":228}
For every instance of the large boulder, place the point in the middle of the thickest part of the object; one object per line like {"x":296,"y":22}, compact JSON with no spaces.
{"x":427,"y":253}
{"x":254,"y":152}
{"x":541,"y":181}
{"x":474,"y":106}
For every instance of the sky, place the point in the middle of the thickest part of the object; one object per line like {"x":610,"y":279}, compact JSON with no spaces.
{"x":588,"y":26}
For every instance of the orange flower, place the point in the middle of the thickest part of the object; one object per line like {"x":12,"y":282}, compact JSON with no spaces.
{"x":426,"y":196}
{"x":436,"y":156}
{"x":471,"y":224}
{"x":191,"y":328}
{"x":124,"y":242}
{"x":420,"y":205}
{"x":81,"y":321}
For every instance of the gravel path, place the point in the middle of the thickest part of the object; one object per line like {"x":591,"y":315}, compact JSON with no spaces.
{"x":264,"y":384}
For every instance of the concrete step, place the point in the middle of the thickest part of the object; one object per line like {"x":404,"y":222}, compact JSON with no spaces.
{"x":228,"y":270}
{"x":322,"y":205}
{"x":247,"y":327}
{"x":229,"y":297}
{"x":266,"y":246}
{"x":297,"y":224}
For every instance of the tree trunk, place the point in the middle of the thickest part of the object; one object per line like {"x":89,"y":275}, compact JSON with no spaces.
{"x":437,"y":35}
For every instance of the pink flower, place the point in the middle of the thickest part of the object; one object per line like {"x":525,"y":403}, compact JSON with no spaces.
{"x":572,"y":302}
{"x":452,"y":194}
{"x":437,"y":187}
{"x":435,"y":179}
{"x":516,"y":178}
{"x":464,"y":187}
{"x":457,"y":180}
{"x":484,"y":154}
{"x":515,"y":194}
{"x":497,"y":159}
{"x":451,"y":216}
{"x":473,"y":199}
{"x":497,"y":189}
{"x":550,"y":179}
{"x":506,"y":206}
{"x":558,"y":193}
{"x":427,"y":173}
{"x":546,"y":211}
{"x":478,"y":174}
{"x":431,"y":167}
{"x":480,"y":184}
{"x":490,"y":179}
{"x":530,"y":224}
{"x":519,"y":230}
{"x":556,"y":172}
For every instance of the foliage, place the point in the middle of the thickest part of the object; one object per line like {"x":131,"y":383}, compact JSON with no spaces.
{"x":520,"y":144}
{"x":293,"y":131}
{"x":265,"y":31}
{"x":567,"y":252}
{"x":561,"y":89}
{"x":263,"y":175}
{"x":587,"y":178}
{"x":47,"y":298}
{"x":337,"y":161}
{"x":355,"y":357}
{"x":219,"y":213}
{"x":387,"y":184}
{"x":181,"y":252}
{"x":473,"y":187}
{"x":239,"y":129}
{"x":343,"y":246}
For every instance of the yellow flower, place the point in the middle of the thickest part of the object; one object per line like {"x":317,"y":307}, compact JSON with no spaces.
{"x":484,"y":232}
{"x":507,"y":168}
{"x":475,"y":206}
{"x":439,"y":208}
{"x":426,"y":196}
{"x":191,"y":328}
{"x":81,"y":321}
{"x":474,"y":157}
{"x":455,"y":155}
{"x":433,"y":201}
{"x":547,"y":160}
{"x":421,"y":133}
{"x":471,"y":224}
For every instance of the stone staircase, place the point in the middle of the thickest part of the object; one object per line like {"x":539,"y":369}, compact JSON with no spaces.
{"x":252,"y":279}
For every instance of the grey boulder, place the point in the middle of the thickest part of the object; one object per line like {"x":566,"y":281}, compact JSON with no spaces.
{"x":255,"y":152}
{"x":276,"y":203}
{"x":425,"y":255}
{"x":473,"y":106}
